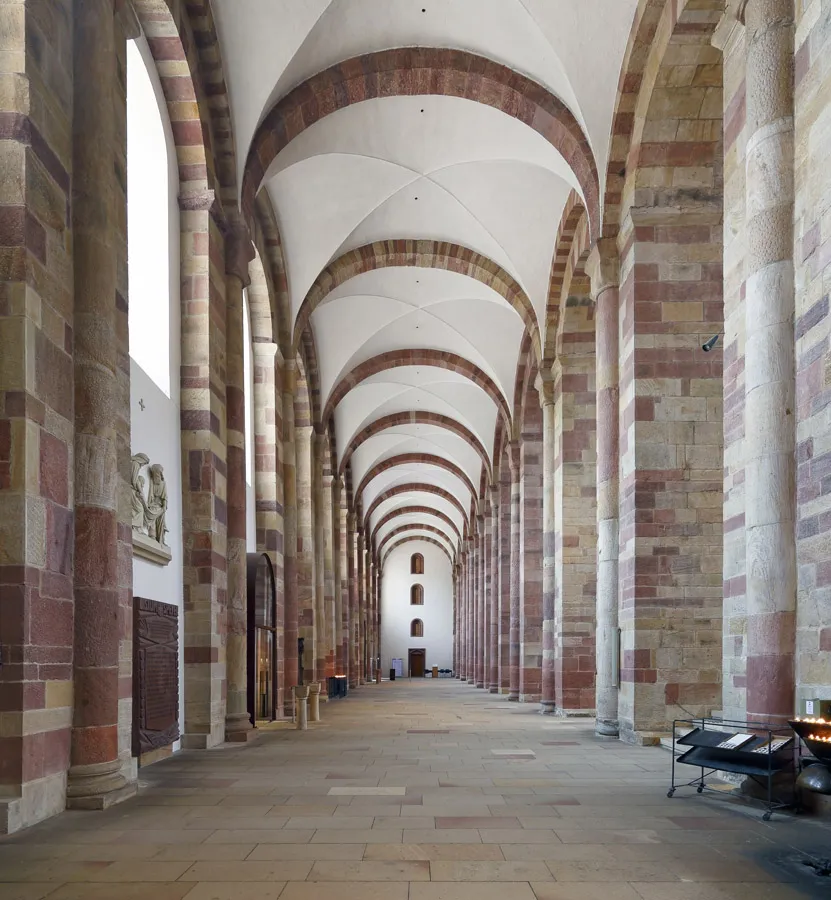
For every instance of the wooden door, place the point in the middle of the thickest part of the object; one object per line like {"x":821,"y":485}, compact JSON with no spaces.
{"x":417,"y":662}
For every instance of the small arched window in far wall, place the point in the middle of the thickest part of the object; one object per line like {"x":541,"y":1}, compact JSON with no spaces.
{"x":416,"y":564}
{"x":416,"y":595}
{"x":416,"y":628}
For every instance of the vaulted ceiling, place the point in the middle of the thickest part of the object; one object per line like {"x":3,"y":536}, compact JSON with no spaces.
{"x":464,"y":153}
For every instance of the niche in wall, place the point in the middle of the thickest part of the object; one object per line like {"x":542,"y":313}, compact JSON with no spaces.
{"x":416,"y":564}
{"x":416,"y":628}
{"x":416,"y":595}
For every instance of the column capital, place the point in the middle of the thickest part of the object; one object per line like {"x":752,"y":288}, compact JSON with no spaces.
{"x":544,"y":383}
{"x":264,"y":350}
{"x":513,"y":458}
{"x":732,"y":19}
{"x":239,"y":251}
{"x":603,"y":266}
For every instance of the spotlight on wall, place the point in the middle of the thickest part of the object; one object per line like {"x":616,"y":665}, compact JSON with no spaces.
{"x":712,"y":342}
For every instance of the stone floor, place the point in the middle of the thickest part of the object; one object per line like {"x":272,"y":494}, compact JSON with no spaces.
{"x":417,"y":791}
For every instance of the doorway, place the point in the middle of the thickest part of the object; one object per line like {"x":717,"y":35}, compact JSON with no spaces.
{"x":417,"y":663}
{"x":262,"y":639}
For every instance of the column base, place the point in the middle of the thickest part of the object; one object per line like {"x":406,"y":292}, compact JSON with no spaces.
{"x":547,"y":708}
{"x":606,"y":728}
{"x":470,"y":681}
{"x":513,"y":697}
{"x":493,"y":689}
{"x":97,"y":786}
{"x":238,"y":729}
{"x":480,"y":685}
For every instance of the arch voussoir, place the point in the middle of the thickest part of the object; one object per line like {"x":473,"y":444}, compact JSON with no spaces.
{"x":396,"y":359}
{"x":416,"y":511}
{"x":414,"y":417}
{"x":412,"y":526}
{"x":419,"y":71}
{"x":417,"y":537}
{"x":408,"y":459}
{"x":415,"y":487}
{"x":422,"y":254}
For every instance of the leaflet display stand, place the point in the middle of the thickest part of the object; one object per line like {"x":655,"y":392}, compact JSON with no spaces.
{"x":759,"y":750}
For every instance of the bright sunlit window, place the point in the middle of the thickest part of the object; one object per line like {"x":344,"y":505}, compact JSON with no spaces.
{"x":148,"y":224}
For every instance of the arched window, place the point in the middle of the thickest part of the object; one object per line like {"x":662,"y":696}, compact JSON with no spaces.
{"x":416,"y":564}
{"x":152,"y":224}
{"x":416,"y":628}
{"x":416,"y":595}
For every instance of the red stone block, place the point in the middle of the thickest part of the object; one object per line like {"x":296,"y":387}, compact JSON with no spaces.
{"x":54,"y":468}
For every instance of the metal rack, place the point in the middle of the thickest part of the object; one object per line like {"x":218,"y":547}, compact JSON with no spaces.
{"x":704,"y":753}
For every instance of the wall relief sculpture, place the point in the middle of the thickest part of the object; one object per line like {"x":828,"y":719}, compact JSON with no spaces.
{"x":149,"y":509}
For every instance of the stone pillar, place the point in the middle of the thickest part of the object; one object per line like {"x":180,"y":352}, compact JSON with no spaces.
{"x":239,"y":251}
{"x":301,"y":696}
{"x":343,"y":657}
{"x":471,"y":610}
{"x":575,"y":490}
{"x":36,"y":404}
{"x":330,"y":586}
{"x":460,"y":616}
{"x":376,"y":613}
{"x":530,"y":555}
{"x":291,"y":613}
{"x":354,"y":639}
{"x":370,"y":666}
{"x":361,"y":585}
{"x":95,"y":779}
{"x":493,"y":630}
{"x":486,"y":592}
{"x":314,"y":701}
{"x":770,"y":431}
{"x":306,"y":579}
{"x":321,"y":625}
{"x":545,"y":388}
{"x":504,"y":594}
{"x":516,"y":562}
{"x":480,"y":601}
{"x":603,"y":269}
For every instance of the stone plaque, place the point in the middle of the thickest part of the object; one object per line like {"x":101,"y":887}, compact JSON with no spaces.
{"x":155,"y":675}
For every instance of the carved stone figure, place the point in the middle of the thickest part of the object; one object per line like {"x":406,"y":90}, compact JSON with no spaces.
{"x":138,"y":503}
{"x":156,"y":504}
{"x":149,"y":511}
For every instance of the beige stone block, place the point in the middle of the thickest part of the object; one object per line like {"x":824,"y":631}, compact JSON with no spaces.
{"x":571,"y":891}
{"x":434,"y":851}
{"x":366,"y":890}
{"x":137,"y":891}
{"x":373,"y":870}
{"x":59,"y":694}
{"x":271,"y":870}
{"x":357,"y":836}
{"x":451,"y":891}
{"x":232,"y":890}
{"x":470,"y":870}
{"x":312,"y":852}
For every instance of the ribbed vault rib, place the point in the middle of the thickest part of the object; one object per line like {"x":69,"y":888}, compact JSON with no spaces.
{"x":409,"y":459}
{"x":425,"y":254}
{"x":409,"y":539}
{"x":414,"y":417}
{"x":415,"y":358}
{"x":414,"y":526}
{"x":414,"y":511}
{"x":413,"y":487}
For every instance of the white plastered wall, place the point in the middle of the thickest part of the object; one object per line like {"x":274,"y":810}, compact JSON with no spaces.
{"x":436,"y":613}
